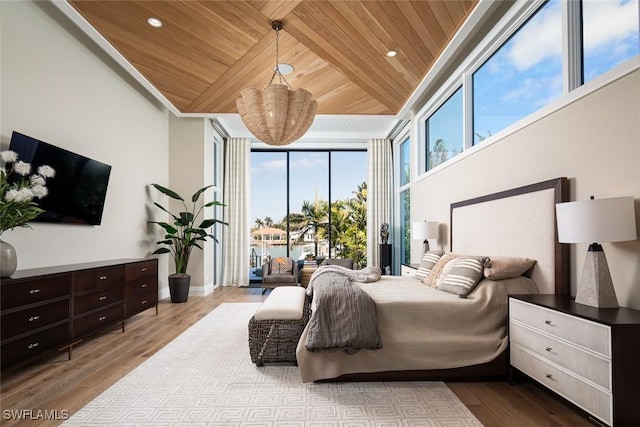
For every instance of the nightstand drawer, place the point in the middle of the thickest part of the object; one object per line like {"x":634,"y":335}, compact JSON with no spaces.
{"x":585,"y":395}
{"x":583,"y":363}
{"x":584,"y":333}
{"x":408,"y":271}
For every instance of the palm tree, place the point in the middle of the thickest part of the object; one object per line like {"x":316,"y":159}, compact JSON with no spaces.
{"x":268,"y":221}
{"x":359,"y":207}
{"x":313,"y":219}
{"x":361,"y":193}
{"x":349,"y":226}
{"x":340,"y":221}
{"x":258,"y":225}
{"x":352,"y":239}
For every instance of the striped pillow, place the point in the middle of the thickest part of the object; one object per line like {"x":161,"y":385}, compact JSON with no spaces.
{"x":429,"y":259}
{"x":461,"y":275}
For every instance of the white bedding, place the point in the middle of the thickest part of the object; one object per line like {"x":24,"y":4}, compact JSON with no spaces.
{"x":423,"y":328}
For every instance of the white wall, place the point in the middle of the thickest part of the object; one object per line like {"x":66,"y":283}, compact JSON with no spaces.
{"x":58,"y":86}
{"x":595,"y":142}
{"x":191,"y":168}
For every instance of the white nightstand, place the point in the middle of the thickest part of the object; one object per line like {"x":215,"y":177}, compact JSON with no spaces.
{"x":409,"y":270}
{"x":587,"y":355}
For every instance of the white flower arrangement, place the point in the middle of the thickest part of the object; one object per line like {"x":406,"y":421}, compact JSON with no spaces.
{"x":17,"y":205}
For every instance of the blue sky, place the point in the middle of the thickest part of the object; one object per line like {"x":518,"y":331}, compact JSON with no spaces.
{"x":308,"y":177}
{"x":525,"y":74}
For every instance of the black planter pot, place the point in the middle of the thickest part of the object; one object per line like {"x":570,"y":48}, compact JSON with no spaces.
{"x":179,"y":287}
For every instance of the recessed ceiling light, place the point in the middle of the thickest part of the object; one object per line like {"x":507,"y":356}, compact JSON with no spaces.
{"x":392,"y":53}
{"x":285,"y":68}
{"x":154,"y":22}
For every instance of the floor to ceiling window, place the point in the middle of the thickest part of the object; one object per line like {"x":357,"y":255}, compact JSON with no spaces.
{"x":217,"y":150}
{"x":268,"y":207}
{"x":403,"y":189}
{"x":348,"y":214}
{"x":307,"y":202}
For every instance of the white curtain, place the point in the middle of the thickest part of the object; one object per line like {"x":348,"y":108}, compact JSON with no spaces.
{"x":379,"y":195}
{"x":235,"y":247}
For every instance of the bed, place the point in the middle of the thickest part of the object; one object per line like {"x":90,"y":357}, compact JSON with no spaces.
{"x":429,"y":334}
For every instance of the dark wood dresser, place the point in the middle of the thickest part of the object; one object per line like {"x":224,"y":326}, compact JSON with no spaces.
{"x":47,"y":310}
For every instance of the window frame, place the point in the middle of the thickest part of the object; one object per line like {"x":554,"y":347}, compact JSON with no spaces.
{"x":218,"y":137}
{"x":448,"y":95}
{"x":287,"y":152}
{"x":441,"y":97}
{"x":403,"y":136}
{"x":573,"y":85}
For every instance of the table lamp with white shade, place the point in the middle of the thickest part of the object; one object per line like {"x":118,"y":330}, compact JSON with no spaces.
{"x":425,"y":230}
{"x":596,"y":221}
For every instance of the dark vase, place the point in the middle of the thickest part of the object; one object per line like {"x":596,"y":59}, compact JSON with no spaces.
{"x":179,"y":287}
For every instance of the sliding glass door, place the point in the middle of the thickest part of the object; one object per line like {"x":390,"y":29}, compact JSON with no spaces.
{"x":307,"y":202}
{"x":268,"y":209}
{"x":348,"y":233}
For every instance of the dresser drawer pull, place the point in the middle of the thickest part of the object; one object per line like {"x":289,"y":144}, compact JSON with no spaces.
{"x":144,"y":285}
{"x":551,"y":377}
{"x":103,"y":277}
{"x":101,"y":318}
{"x":549,"y":322}
{"x":34,"y":345}
{"x":34,"y":291}
{"x":33,"y":318}
{"x":144,"y":268}
{"x":144,"y":301}
{"x":102,"y":298}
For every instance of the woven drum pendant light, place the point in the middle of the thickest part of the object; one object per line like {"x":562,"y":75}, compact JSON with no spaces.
{"x":277,"y":114}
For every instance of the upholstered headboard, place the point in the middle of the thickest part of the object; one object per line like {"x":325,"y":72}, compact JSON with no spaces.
{"x":520,"y":222}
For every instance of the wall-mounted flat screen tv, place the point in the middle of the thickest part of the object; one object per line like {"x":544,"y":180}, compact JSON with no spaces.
{"x":77,"y":192}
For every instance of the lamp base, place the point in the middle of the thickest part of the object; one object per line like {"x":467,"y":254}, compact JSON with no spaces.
{"x":425,"y":247}
{"x":596,"y":288}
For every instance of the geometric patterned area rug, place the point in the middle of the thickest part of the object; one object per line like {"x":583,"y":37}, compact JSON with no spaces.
{"x":205,"y":378}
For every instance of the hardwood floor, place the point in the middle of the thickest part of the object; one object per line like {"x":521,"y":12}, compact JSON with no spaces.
{"x":60,"y":386}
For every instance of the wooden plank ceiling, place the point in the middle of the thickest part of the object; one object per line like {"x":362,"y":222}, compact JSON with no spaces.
{"x":206,"y":52}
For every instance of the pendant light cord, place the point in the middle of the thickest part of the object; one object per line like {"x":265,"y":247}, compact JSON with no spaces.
{"x":277,"y":25}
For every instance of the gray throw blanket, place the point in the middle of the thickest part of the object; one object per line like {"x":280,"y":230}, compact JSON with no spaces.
{"x":343,"y":316}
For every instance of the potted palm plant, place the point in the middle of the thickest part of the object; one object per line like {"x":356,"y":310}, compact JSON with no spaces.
{"x":182,"y":236}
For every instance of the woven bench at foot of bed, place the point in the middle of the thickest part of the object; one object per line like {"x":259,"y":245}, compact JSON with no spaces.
{"x":273,"y":339}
